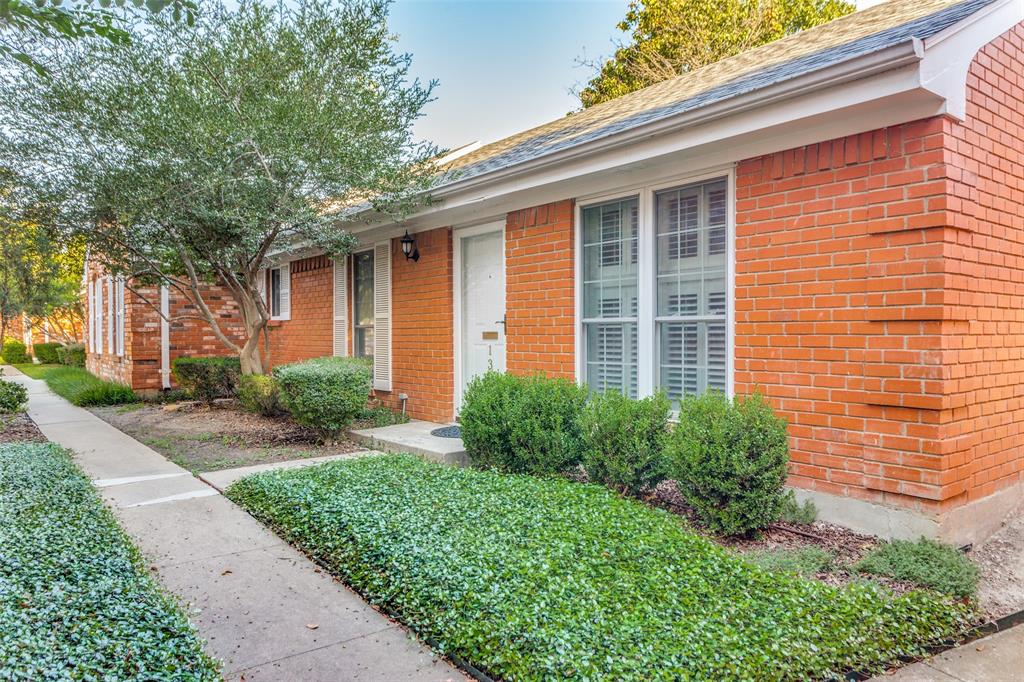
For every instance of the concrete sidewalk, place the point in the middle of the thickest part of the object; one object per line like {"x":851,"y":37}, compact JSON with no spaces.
{"x":996,"y":658}
{"x":266,"y":611}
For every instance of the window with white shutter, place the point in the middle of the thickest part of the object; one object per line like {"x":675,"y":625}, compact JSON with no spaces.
{"x":382,"y":316}
{"x":98,"y":341}
{"x":110,"y":314}
{"x":341,"y":306}
{"x":690,"y":225}
{"x":90,"y":299}
{"x":120,"y":313}
{"x":364,"y":306}
{"x":281,"y":293}
{"x":610,"y":231}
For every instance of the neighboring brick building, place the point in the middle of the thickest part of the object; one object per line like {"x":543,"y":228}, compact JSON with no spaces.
{"x":835,"y":220}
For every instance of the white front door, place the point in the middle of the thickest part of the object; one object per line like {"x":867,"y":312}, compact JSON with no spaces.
{"x":482,"y":288}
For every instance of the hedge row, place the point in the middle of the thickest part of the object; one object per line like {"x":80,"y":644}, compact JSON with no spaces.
{"x":75,"y":598}
{"x":728,"y":458}
{"x":532,"y":578}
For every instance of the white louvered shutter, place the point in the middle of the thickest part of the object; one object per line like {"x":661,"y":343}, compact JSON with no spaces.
{"x":341,"y":306}
{"x":110,"y":314}
{"x":382,"y":316}
{"x":120,"y":311}
{"x":286,"y":292}
{"x":90,"y":321}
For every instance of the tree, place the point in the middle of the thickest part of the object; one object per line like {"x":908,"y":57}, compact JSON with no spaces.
{"x":23,"y":25}
{"x":189,"y":157}
{"x":672,"y":37}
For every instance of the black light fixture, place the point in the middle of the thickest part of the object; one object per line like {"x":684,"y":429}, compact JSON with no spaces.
{"x":409,"y":247}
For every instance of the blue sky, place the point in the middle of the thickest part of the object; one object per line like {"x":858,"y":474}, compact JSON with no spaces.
{"x":503,"y":66}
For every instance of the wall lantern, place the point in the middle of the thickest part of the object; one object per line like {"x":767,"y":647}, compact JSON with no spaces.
{"x":409,"y":247}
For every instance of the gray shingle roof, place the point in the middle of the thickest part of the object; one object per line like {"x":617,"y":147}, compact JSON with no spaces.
{"x":855,"y":35}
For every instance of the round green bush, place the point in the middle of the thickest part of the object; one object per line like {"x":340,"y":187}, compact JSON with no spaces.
{"x":729,"y":460}
{"x":13,"y":396}
{"x":46,"y":353}
{"x":72,"y":355}
{"x":325,"y":394}
{"x":14,"y":352}
{"x":624,"y":440}
{"x":207,"y":379}
{"x":257,"y":393}
{"x":528,"y":425}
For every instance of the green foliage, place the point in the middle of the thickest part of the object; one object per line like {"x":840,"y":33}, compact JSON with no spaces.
{"x":207,"y":379}
{"x":13,"y":396}
{"x":246,"y":137}
{"x":85,"y":390}
{"x":528,"y":425}
{"x":805,"y":561}
{"x":382,"y":415}
{"x":46,"y":353}
{"x":14,"y":352}
{"x":325,"y":394}
{"x":729,"y":460}
{"x":672,"y":37}
{"x":32,"y":370}
{"x":624,"y":440}
{"x":72,"y":355}
{"x":540,"y":578}
{"x":258,"y":393}
{"x":795,"y":512}
{"x":925,"y":562}
{"x":77,"y":602}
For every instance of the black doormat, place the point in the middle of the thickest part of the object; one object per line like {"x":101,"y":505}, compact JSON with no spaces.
{"x":447,"y":432}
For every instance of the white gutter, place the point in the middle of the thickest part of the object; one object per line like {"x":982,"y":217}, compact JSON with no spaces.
{"x":165,"y":337}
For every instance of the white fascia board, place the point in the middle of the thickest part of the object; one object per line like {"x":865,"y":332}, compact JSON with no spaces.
{"x":948,"y":54}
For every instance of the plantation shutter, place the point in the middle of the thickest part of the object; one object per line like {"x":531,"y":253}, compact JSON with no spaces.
{"x":120,"y":316}
{"x":110,"y":314}
{"x":382,"y":316}
{"x":341,"y":306}
{"x":286,"y":292}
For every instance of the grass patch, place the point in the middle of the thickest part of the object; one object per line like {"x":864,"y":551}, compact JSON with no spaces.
{"x":805,"y":561}
{"x":75,"y":598}
{"x":535,"y":579}
{"x":925,"y":562}
{"x":34,"y":371}
{"x":83,"y":389}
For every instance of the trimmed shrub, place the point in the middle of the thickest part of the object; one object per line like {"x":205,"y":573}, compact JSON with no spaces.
{"x":46,"y":353}
{"x":14,"y":352}
{"x":78,"y":600}
{"x":926,"y":562}
{"x":729,"y":459}
{"x":207,"y":379}
{"x":624,"y":440}
{"x":528,"y":425}
{"x":85,"y":390}
{"x":72,"y":355}
{"x":258,"y":393}
{"x":325,"y":394}
{"x":13,"y":396}
{"x":534,"y":578}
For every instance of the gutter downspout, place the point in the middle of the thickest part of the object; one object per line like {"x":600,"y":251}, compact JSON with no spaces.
{"x":165,"y":340}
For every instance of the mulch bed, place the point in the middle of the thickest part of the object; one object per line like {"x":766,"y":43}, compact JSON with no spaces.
{"x":19,"y":428}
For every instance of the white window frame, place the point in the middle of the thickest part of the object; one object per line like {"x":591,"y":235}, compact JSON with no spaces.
{"x":647,"y":342}
{"x":284,"y":271}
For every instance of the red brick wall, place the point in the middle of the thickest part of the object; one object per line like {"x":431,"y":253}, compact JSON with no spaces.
{"x":984,"y":346}
{"x":540,"y":307}
{"x":422,"y":354}
{"x":310,"y":331}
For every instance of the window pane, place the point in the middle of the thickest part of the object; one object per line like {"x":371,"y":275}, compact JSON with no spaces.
{"x":275,"y":292}
{"x":611,"y":357}
{"x":362,"y":342}
{"x":691,"y":243}
{"x":363,"y":288}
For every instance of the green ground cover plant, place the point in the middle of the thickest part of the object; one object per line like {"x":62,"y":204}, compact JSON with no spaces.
{"x":75,"y":598}
{"x":804,"y":561}
{"x":925,"y":562}
{"x":85,"y":390}
{"x":13,"y":396}
{"x":531,"y":578}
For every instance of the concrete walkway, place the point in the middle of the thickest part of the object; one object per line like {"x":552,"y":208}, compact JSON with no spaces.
{"x":996,"y":658}
{"x":266,"y":611}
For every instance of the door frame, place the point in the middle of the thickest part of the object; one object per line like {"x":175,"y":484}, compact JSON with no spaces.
{"x":457,"y":237}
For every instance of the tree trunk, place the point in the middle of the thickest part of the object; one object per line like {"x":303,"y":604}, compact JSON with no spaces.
{"x":255,"y":327}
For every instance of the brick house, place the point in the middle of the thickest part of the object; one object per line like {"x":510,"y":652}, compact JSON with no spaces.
{"x":835,"y":220}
